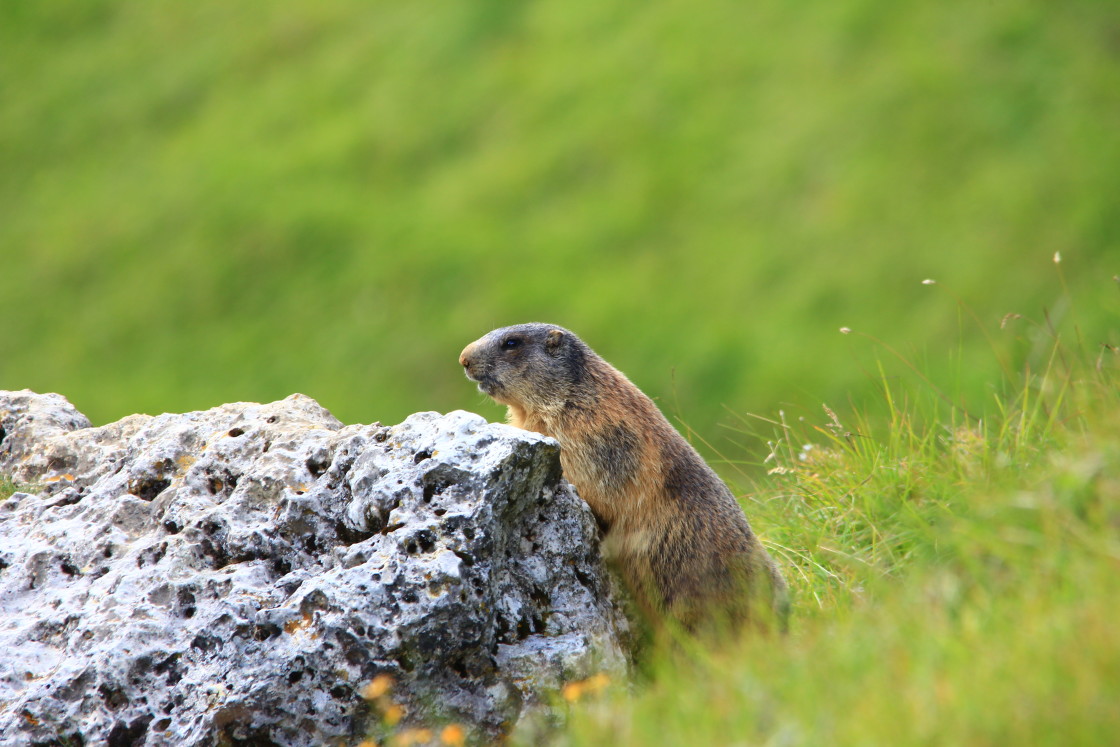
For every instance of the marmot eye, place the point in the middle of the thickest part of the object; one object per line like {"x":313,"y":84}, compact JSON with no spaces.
{"x":511,"y":343}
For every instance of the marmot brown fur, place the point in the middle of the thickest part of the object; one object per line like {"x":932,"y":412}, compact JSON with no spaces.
{"x":672,"y":528}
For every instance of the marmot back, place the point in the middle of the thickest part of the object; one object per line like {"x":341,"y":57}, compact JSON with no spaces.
{"x":672,"y":527}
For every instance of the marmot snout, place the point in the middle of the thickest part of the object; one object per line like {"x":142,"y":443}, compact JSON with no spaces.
{"x":674,"y":530}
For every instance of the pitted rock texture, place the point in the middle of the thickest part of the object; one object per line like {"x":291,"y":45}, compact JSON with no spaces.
{"x":235,"y":576}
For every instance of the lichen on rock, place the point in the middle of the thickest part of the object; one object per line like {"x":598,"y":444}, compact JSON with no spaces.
{"x":238,"y":574}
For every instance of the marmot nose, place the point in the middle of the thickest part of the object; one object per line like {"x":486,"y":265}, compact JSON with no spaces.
{"x":464,"y":357}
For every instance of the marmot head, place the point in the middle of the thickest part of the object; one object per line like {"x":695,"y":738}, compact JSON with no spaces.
{"x":533,"y":366}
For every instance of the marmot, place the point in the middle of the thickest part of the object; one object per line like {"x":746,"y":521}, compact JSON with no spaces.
{"x":672,"y":527}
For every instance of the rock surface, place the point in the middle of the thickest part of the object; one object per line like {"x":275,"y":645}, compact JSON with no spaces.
{"x":236,"y":576}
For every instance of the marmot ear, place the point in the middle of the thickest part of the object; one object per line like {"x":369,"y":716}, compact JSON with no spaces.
{"x":553,"y":340}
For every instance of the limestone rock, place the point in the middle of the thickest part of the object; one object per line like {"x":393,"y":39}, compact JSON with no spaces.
{"x":237,"y":575}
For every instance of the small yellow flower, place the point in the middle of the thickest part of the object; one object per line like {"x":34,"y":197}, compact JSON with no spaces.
{"x":380,"y":685}
{"x":367,"y":743}
{"x":453,"y":735}
{"x":597,"y":683}
{"x":409,"y":737}
{"x":394,"y":714}
{"x":572,"y":691}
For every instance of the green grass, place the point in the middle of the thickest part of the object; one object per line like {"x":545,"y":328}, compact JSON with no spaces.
{"x":210,"y":201}
{"x":955,"y":578}
{"x":8,"y":486}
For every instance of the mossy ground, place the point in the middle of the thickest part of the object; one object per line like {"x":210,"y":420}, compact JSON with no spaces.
{"x":7,"y":487}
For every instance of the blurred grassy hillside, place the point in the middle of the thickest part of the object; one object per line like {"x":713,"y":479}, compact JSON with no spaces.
{"x":209,"y":201}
